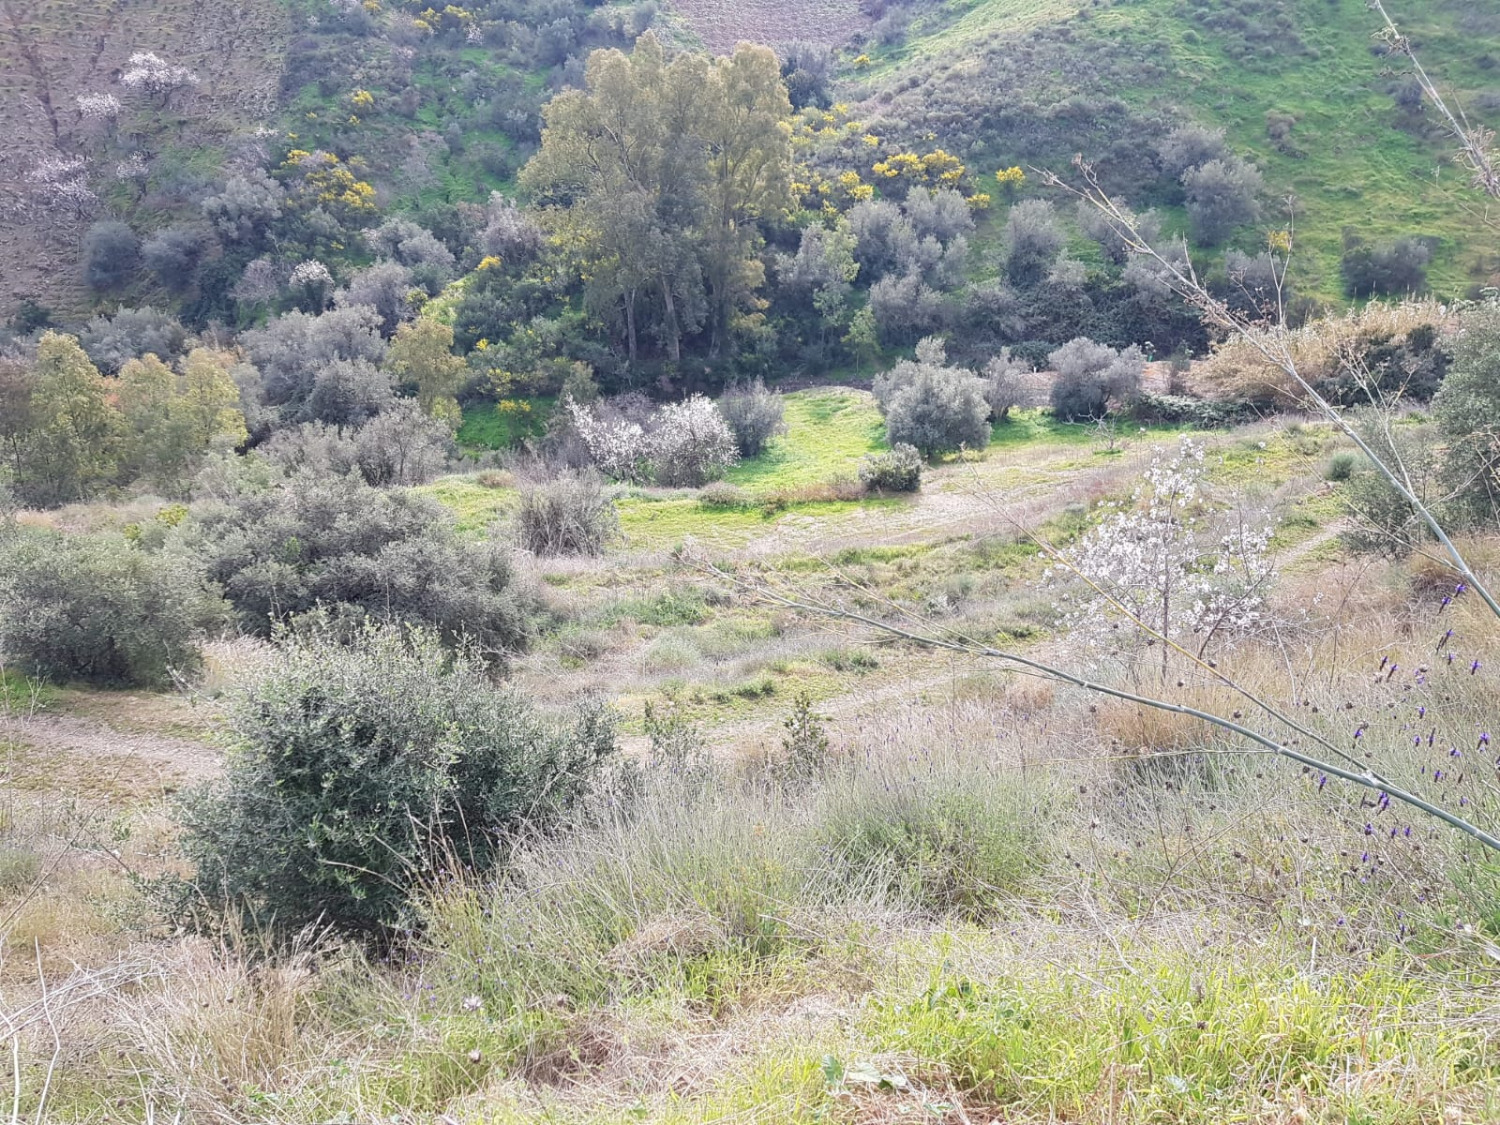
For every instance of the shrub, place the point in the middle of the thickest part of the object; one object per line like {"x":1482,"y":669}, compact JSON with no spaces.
{"x":95,"y":608}
{"x":110,"y":253}
{"x":932,"y":406}
{"x":721,"y":494}
{"x":1383,"y":520}
{"x":1390,"y":269}
{"x":1184,"y":410}
{"x":112,"y":341}
{"x":1221,"y":196}
{"x":1004,"y":384}
{"x":385,"y":287}
{"x":690,"y":444}
{"x":348,"y":392}
{"x":1341,"y":466}
{"x":1189,"y":146}
{"x":569,"y":515}
{"x":402,"y":445}
{"x":804,"y":747}
{"x":904,"y":307}
{"x":291,"y":349}
{"x":897,"y":470}
{"x":173,"y":255}
{"x":1089,"y":375}
{"x":359,"y":552}
{"x":754,"y":414}
{"x":358,"y":770}
{"x":1111,"y":236}
{"x":1467,"y":413}
{"x":1033,"y":241}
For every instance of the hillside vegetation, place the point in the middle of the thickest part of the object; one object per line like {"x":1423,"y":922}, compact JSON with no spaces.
{"x":588,"y":563}
{"x":1302,"y":86}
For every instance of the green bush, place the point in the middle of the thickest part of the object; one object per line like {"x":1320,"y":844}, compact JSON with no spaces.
{"x":897,"y":470}
{"x":359,"y":770}
{"x":754,"y":414}
{"x":1341,"y":466}
{"x":1182,"y":410}
{"x":1089,"y":375}
{"x":97,"y":609}
{"x":360,"y":552}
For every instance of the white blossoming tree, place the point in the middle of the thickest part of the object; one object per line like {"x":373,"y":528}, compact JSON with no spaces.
{"x":681,"y":444}
{"x":1169,"y":568}
{"x":60,"y":184}
{"x":98,"y":107}
{"x":155,"y":77}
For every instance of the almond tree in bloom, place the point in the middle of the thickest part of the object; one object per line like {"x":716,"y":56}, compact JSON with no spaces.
{"x":98,"y":107}
{"x":1168,"y":566}
{"x":154,"y":76}
{"x":60,"y":183}
{"x":681,"y":444}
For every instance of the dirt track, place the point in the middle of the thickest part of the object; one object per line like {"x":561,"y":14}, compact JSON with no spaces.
{"x":86,"y":738}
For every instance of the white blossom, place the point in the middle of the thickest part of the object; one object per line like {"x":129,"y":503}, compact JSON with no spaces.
{"x":617,"y":446}
{"x":1167,"y":564}
{"x":62,"y":182}
{"x":682,"y":443}
{"x":309,"y":274}
{"x":152,"y":74}
{"x":98,"y":107}
{"x":133,"y":167}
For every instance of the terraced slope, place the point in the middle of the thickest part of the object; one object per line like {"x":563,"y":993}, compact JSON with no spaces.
{"x":720,"y":24}
{"x":52,"y":51}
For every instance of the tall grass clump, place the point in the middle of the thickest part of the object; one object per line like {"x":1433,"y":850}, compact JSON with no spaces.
{"x":704,"y":878}
{"x":569,"y":515}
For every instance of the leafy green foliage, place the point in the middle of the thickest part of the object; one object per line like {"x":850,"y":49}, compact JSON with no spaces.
{"x":359,"y":552}
{"x":754,"y":414}
{"x":96,"y":609}
{"x":360,"y":771}
{"x":932,"y":406}
{"x":1467,"y":413}
{"x":899,"y":469}
{"x":1089,"y":375}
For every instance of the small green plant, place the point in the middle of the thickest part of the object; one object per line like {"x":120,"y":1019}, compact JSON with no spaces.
{"x":899,"y":470}
{"x":1341,"y":466}
{"x":19,"y":867}
{"x":804,"y":747}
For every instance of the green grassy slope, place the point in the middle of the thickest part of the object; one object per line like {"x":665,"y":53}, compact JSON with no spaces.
{"x":1352,"y":158}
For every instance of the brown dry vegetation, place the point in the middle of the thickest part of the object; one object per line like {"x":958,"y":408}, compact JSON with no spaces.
{"x":51,"y":51}
{"x":720,"y":24}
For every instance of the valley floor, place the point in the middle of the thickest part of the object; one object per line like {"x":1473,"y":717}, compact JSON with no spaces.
{"x":996,"y":900}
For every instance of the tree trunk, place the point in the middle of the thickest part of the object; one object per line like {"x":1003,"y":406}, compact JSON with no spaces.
{"x":674,"y":343}
{"x":630,"y":326}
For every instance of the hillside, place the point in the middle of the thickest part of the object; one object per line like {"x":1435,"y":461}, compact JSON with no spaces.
{"x":1299,"y":85}
{"x":54,"y":51}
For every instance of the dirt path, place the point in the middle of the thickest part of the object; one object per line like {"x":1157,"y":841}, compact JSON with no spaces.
{"x":90,"y":739}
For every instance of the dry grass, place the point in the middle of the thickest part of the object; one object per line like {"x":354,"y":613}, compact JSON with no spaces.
{"x":991,"y":894}
{"x":1238,"y":370}
{"x":720,"y":24}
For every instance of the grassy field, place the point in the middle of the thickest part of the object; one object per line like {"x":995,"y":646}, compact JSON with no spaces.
{"x":995,"y":900}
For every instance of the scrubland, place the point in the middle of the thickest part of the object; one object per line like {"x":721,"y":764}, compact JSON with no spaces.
{"x":978,"y":896}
